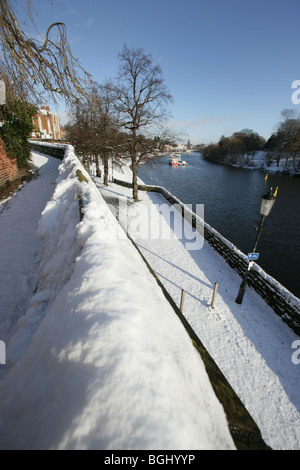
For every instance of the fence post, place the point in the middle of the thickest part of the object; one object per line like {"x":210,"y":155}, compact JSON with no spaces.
{"x":182,"y":300}
{"x":214,"y":295}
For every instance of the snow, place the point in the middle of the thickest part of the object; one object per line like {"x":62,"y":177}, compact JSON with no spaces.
{"x":262,"y":161}
{"x":249,"y":342}
{"x":98,"y":359}
{"x":19,"y":245}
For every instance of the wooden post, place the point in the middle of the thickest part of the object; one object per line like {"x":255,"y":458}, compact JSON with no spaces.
{"x":182,"y":300}
{"x":214,"y":295}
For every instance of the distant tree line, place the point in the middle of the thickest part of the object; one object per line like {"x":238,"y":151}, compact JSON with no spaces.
{"x":284,"y":144}
{"x":240,"y":148}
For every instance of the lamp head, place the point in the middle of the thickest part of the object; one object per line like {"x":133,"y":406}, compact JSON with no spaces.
{"x":267,"y":202}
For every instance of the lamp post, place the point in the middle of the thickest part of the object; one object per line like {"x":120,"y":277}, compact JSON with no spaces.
{"x":267,"y":202}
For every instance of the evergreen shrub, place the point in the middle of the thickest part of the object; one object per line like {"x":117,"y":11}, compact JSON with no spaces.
{"x":15,"y":127}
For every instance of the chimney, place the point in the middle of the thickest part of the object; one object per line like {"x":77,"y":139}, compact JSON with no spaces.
{"x":47,"y":108}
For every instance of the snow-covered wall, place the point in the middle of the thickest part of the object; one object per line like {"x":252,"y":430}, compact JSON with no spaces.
{"x":100,"y":360}
{"x":53,"y":149}
{"x":282,"y":301}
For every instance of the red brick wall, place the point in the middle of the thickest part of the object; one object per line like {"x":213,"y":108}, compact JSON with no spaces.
{"x":8,"y":167}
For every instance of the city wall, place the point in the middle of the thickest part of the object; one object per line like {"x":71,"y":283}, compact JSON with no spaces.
{"x":47,"y":148}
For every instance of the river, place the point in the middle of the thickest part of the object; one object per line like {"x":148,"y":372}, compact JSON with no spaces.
{"x":231,"y":198}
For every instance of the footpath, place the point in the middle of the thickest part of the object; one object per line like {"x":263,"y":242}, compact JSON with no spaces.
{"x":20,"y":246}
{"x":250,"y":344}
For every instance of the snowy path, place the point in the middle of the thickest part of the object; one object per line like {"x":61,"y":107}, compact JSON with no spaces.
{"x":249,"y":342}
{"x":19,"y":255}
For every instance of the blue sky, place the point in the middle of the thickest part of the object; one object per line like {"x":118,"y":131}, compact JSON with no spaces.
{"x":229,"y":64}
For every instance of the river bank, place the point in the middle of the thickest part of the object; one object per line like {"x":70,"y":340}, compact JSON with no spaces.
{"x":261,"y":160}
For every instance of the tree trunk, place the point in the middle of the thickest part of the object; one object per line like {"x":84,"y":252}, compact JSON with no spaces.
{"x":97,"y":164}
{"x":84,"y":161}
{"x":105,"y":163}
{"x":135,"y":194}
{"x":134,"y":160}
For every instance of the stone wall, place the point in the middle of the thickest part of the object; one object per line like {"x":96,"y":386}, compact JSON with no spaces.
{"x":8,"y":167}
{"x":51,"y":149}
{"x":283,"y":302}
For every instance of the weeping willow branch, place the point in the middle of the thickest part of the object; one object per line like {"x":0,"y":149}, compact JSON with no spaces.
{"x":32,"y":67}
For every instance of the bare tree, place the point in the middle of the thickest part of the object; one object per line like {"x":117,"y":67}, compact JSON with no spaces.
{"x":108,"y":130}
{"x":94,"y":131}
{"x":31,"y":67}
{"x":140,"y":99}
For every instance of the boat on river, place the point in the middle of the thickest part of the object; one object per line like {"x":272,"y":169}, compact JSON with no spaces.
{"x":175,"y":160}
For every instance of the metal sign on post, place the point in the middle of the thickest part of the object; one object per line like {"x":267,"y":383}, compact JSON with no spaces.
{"x":2,"y":92}
{"x":253,"y":256}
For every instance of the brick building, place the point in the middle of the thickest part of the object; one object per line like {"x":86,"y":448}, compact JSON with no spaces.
{"x":8,"y":167}
{"x":47,"y":124}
